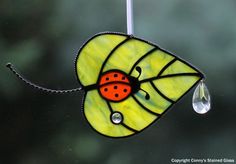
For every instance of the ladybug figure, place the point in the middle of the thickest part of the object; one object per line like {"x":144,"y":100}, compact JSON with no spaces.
{"x":116,"y":86}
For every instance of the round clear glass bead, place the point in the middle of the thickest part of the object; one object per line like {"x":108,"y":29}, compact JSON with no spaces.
{"x":116,"y":118}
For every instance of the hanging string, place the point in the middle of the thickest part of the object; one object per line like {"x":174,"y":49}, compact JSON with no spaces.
{"x":129,"y":14}
{"x":13,"y":70}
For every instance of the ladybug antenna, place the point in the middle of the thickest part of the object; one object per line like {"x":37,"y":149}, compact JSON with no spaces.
{"x":147,"y":97}
{"x":139,"y":70}
{"x":12,"y":69}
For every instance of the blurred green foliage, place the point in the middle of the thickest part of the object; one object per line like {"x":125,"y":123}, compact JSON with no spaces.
{"x":42,"y":38}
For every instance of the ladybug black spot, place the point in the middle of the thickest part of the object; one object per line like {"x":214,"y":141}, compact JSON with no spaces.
{"x":105,"y":89}
{"x":123,"y":78}
{"x":116,"y":95}
{"x":107,"y":78}
{"x":115,"y":87}
{"x":115,"y":75}
{"x":125,"y":90}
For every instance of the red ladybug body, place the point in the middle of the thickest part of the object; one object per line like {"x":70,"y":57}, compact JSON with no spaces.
{"x":115,"y":85}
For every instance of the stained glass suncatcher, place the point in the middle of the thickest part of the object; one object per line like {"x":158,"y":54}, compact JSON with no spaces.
{"x":129,"y":83}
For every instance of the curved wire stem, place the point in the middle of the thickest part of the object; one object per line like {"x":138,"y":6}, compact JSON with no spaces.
{"x":13,"y":70}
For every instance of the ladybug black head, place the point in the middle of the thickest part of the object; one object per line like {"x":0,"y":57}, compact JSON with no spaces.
{"x":135,"y":83}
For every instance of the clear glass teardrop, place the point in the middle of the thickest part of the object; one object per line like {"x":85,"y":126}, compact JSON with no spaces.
{"x":201,"y":99}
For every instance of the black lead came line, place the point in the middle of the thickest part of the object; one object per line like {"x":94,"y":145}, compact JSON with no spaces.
{"x":129,"y":128}
{"x":160,"y":93}
{"x":109,"y":106}
{"x":171,"y":75}
{"x":166,"y":66}
{"x":97,"y":86}
{"x":180,"y":74}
